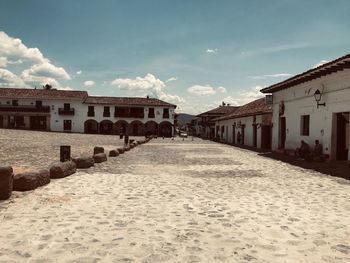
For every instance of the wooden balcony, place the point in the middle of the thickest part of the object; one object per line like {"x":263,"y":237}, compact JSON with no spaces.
{"x":63,"y":111}
{"x":24,"y":108}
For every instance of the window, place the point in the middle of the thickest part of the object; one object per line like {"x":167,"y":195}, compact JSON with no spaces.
{"x":165,"y":113}
{"x":91,"y":111}
{"x":66,"y":106}
{"x":67,"y":125}
{"x":106,"y":112}
{"x":151,"y":113}
{"x":19,"y":120}
{"x":38,"y":103}
{"x":14,"y":102}
{"x":305,"y":125}
{"x":126,"y":112}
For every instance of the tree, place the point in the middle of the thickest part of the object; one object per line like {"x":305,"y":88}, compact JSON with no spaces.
{"x":47,"y":86}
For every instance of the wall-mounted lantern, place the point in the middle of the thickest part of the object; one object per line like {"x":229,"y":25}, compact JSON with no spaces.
{"x":318,"y":96}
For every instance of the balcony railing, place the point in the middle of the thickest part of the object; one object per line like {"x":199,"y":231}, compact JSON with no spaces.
{"x":151,"y":115}
{"x":165,"y":116}
{"x":91,"y":114}
{"x":24,"y":108}
{"x":63,"y":111}
{"x":129,"y":115}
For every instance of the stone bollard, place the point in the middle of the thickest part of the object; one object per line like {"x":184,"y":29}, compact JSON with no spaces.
{"x":121,"y":150}
{"x":126,"y":139}
{"x":60,"y":170}
{"x":6,"y":182}
{"x":65,"y":153}
{"x":100,"y":157}
{"x":113,"y":153}
{"x":84,"y":162}
{"x":25,"y":181}
{"x":30,"y":180}
{"x":98,"y":149}
{"x":127,"y":148}
{"x":43,"y":177}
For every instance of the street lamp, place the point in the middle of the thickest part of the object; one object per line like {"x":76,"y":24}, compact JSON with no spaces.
{"x":318,"y":96}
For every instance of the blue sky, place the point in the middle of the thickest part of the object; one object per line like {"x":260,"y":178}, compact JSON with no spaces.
{"x":195,"y":54}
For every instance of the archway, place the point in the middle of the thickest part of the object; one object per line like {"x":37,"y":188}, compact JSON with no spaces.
{"x":137,"y":128}
{"x":121,"y":127}
{"x":91,"y":126}
{"x":165,"y":129}
{"x":151,"y":128}
{"x":106,"y":127}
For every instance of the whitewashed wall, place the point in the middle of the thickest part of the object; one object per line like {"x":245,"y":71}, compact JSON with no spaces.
{"x":248,"y":131}
{"x":80,"y":114}
{"x":158,"y":111}
{"x":299,"y":100}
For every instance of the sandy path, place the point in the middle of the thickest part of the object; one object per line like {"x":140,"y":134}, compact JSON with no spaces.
{"x":175,"y":201}
{"x":27,"y":150}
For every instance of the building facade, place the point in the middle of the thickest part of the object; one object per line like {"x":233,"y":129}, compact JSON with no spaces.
{"x":250,"y":125}
{"x":204,"y":123}
{"x":314,"y":105}
{"x":76,"y":111}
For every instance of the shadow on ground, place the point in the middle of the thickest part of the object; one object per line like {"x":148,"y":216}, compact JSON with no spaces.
{"x":333,"y":168}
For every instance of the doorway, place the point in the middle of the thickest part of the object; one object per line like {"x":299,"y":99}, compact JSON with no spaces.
{"x":234,"y":134}
{"x":1,"y":121}
{"x":242,"y":129}
{"x":38,"y":123}
{"x":282,"y":133}
{"x":342,"y":139}
{"x":67,"y":125}
{"x":266,"y":136}
{"x":255,"y":135}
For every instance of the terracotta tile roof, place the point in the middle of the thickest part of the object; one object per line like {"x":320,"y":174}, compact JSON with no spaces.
{"x":255,"y":107}
{"x":219,"y":111}
{"x":42,"y":93}
{"x":323,"y":70}
{"x":127,"y":101}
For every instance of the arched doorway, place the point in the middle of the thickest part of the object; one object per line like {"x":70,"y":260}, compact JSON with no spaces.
{"x":106,"y":127}
{"x":91,"y":126}
{"x":165,"y":129}
{"x":151,"y":128}
{"x":121,"y":127}
{"x":137,"y":128}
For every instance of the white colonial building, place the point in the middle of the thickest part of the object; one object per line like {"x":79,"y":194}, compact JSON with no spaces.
{"x":76,"y":111}
{"x":204,"y":124}
{"x":314,"y":105}
{"x":248,"y":125}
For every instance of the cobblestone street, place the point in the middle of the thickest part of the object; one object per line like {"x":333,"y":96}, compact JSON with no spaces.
{"x":177,"y":201}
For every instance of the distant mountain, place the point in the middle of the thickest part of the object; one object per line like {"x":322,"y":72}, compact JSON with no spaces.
{"x":184,"y":118}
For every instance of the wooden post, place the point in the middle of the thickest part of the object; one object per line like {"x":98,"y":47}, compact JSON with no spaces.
{"x":65,"y":153}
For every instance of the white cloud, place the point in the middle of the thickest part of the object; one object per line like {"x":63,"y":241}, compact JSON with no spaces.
{"x":79,"y":72}
{"x":212,"y":51}
{"x":252,"y":94}
{"x":149,"y":84}
{"x":9,"y":79}
{"x":242,"y":97}
{"x":171,"y":79}
{"x":36,"y":71}
{"x":171,"y":98}
{"x":89,"y":83}
{"x":14,"y":49}
{"x":3,"y":62}
{"x":206,"y":90}
{"x":47,"y":70}
{"x":201,"y":90}
{"x":221,"y":90}
{"x":323,"y":61}
{"x":278,"y":75}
